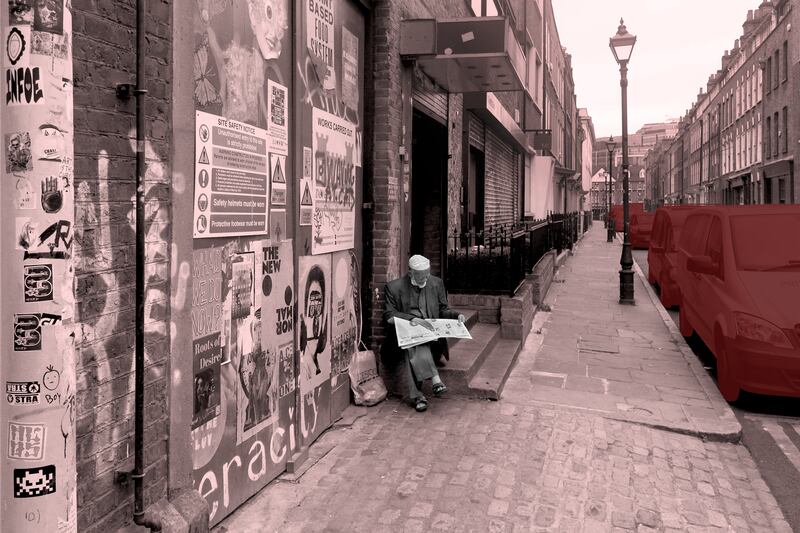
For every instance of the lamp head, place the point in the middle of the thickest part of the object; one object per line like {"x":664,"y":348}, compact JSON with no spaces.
{"x":611,"y":144}
{"x":622,"y":44}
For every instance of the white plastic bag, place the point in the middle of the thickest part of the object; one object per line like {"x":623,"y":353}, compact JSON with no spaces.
{"x":367,"y":385}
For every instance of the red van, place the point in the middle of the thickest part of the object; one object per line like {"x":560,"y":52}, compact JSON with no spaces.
{"x":739,"y":274}
{"x":662,"y":254}
{"x":640,"y":230}
{"x":617,"y":213}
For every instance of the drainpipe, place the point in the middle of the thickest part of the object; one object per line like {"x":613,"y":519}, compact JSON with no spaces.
{"x":139,"y":516}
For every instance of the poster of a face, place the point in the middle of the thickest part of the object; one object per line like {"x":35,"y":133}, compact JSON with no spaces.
{"x":313,"y":320}
{"x":20,"y":12}
{"x":48,"y":16}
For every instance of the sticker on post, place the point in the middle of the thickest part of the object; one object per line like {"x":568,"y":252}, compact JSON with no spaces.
{"x":33,"y":482}
{"x":38,"y":283}
{"x":26,"y":442}
{"x":23,"y":392}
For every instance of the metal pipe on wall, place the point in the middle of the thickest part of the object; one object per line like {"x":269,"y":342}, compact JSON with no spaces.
{"x":139,"y":516}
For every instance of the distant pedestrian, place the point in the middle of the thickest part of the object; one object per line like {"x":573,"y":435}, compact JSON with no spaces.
{"x":417,"y":297}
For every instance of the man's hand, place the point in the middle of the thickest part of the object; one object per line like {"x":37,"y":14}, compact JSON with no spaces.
{"x":421,"y":322}
{"x":461,"y":319}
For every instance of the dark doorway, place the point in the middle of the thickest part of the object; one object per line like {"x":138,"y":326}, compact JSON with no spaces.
{"x":428,"y":190}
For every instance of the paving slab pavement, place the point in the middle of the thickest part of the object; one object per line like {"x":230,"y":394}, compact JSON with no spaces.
{"x":625,"y":362}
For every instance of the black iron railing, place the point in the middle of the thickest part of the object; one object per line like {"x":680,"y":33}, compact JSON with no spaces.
{"x":497,"y":259}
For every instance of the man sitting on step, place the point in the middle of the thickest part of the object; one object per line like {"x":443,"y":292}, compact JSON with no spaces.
{"x":417,"y":297}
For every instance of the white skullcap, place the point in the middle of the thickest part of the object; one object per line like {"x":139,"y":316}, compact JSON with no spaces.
{"x":419,"y":262}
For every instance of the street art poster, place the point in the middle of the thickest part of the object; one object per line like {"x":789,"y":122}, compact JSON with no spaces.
{"x":345,"y":309}
{"x":48,"y":16}
{"x":207,"y":271}
{"x":239,"y":306}
{"x":207,"y":353}
{"x":19,"y":157}
{"x":334,"y":183}
{"x":260,"y":371}
{"x":231,"y":187}
{"x":278,"y":108}
{"x":314,"y":303}
{"x":350,"y":72}
{"x":208,"y":267}
{"x":320,"y":40}
{"x":239,"y":45}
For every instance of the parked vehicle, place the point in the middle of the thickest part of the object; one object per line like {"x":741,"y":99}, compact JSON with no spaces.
{"x":617,"y":213}
{"x":739,"y":274}
{"x":640,"y":230}
{"x":662,"y":254}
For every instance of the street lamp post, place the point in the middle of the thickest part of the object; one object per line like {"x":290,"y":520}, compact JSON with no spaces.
{"x":621,"y":45}
{"x":610,"y":145}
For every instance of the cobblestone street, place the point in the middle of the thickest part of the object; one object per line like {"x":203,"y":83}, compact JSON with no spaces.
{"x":498,"y":466}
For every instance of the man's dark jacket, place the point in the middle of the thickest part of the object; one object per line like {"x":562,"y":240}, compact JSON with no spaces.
{"x":399,"y":298}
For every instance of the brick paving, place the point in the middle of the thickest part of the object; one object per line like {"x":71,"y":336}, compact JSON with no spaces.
{"x":569,"y":460}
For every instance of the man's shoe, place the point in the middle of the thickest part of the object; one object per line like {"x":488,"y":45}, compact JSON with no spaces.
{"x":422,"y":405}
{"x":439,"y":389}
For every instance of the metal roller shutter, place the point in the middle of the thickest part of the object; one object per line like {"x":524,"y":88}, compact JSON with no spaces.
{"x":502,"y":181}
{"x":477,"y":132}
{"x":431,"y":102}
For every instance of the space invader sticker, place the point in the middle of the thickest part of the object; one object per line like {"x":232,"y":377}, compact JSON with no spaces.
{"x":26,"y":441}
{"x":33,"y":482}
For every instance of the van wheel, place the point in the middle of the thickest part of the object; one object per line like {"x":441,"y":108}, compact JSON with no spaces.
{"x":726,"y":372}
{"x":684,"y":324}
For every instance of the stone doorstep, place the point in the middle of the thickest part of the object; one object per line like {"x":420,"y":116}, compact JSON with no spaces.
{"x":488,"y":383}
{"x":467,"y":357}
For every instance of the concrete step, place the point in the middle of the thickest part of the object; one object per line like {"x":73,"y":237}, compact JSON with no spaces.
{"x":466,"y":357}
{"x":491,"y":378}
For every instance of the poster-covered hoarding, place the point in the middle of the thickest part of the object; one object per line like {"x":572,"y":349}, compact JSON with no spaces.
{"x":245,"y":423}
{"x":243,"y":429}
{"x":37,"y":209}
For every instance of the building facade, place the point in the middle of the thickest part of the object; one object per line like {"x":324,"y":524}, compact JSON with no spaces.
{"x":739,"y":141}
{"x":205,"y":206}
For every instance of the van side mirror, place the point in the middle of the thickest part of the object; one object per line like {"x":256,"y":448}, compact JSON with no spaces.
{"x":702,"y":264}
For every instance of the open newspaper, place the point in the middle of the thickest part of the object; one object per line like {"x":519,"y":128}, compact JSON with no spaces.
{"x":408,"y":335}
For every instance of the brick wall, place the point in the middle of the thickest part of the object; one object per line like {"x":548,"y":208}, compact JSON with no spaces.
{"x":388,"y":106}
{"x":385,"y":109}
{"x":104,"y":54}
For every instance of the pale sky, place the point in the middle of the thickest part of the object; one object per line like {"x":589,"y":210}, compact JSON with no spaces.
{"x":679,"y":43}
